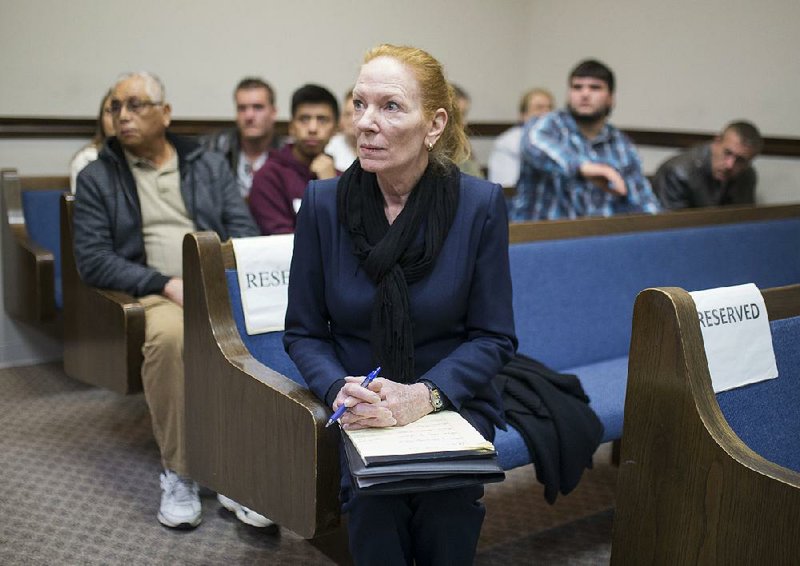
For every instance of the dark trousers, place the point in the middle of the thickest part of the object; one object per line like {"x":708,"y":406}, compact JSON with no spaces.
{"x":429,"y":528}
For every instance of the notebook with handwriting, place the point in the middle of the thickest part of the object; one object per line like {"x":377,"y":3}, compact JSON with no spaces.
{"x":443,"y":435}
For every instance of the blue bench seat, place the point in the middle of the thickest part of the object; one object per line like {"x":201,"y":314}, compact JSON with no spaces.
{"x":573,"y":298}
{"x":41,"y":209}
{"x":573,"y":301}
{"x":766,"y":415}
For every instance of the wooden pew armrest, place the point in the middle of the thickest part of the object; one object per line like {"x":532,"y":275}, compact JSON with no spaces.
{"x":118,"y":298}
{"x":103,"y":329}
{"x":29,"y":274}
{"x":28,"y":268}
{"x":252,"y":433}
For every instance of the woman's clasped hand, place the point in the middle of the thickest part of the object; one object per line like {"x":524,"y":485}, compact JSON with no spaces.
{"x":382,"y":403}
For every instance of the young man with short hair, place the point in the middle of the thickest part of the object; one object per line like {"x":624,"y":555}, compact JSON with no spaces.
{"x":247,"y":146}
{"x":278,"y":187}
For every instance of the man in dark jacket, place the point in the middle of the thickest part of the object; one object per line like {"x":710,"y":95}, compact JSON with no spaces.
{"x":133,"y":206}
{"x":278,"y":187}
{"x":247,"y":146}
{"x":712,"y":174}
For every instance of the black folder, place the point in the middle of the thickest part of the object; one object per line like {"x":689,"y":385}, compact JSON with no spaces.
{"x":410,"y":474}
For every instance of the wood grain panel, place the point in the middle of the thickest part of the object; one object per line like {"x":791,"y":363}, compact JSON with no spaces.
{"x":689,"y":491}
{"x":584,"y":227}
{"x":103,"y":329}
{"x":25,"y":127}
{"x":28,"y":268}
{"x":252,"y":434}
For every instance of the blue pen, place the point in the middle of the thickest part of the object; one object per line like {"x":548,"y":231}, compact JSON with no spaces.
{"x":340,"y":411}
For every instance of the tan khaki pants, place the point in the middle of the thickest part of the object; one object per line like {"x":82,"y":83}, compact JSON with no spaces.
{"x":162,"y":377}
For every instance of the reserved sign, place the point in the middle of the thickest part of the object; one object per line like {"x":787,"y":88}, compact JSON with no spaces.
{"x":262,"y":264}
{"x":736,"y":334}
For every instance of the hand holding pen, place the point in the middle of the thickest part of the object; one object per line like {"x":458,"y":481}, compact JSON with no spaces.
{"x":342,"y":408}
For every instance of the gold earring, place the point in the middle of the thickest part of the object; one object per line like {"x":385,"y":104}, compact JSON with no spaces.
{"x":430,"y":146}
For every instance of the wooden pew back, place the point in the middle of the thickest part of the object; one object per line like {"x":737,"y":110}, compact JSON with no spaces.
{"x":235,"y":404}
{"x":103,"y":329}
{"x":31,"y":266}
{"x":252,"y":433}
{"x":690,"y":490}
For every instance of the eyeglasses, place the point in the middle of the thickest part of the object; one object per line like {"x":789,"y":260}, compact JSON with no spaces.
{"x":133,"y":105}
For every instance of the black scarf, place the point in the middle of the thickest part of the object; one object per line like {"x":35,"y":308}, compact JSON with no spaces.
{"x":391,"y":255}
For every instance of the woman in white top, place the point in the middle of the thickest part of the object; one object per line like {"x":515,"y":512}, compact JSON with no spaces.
{"x":103,"y":129}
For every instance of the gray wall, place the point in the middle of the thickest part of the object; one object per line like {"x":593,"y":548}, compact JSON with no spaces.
{"x":682,"y":65}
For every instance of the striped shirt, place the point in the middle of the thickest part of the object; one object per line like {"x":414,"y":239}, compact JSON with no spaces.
{"x":550,"y":184}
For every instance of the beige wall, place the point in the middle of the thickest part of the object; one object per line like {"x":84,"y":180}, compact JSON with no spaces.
{"x":684,"y":64}
{"x":681,"y":64}
{"x":201,"y":48}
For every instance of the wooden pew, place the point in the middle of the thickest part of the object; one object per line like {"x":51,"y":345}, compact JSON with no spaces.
{"x":103,"y":329}
{"x":233,"y":400}
{"x":575,"y":282}
{"x":689,"y":490}
{"x":251,"y":433}
{"x":29,"y":269}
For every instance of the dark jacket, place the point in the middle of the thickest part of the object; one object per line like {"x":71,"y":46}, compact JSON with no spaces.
{"x":552,"y":413}
{"x":226,"y":142}
{"x":461,"y":311}
{"x":109,"y":245}
{"x":685,"y":181}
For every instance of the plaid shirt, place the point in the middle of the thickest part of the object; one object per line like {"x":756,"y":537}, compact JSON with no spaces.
{"x":550,"y":184}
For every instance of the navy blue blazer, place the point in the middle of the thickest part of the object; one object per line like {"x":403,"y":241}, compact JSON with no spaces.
{"x":461,"y":311}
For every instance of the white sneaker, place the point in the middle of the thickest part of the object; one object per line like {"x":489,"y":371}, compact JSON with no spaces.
{"x":244,"y":514}
{"x":180,"y":502}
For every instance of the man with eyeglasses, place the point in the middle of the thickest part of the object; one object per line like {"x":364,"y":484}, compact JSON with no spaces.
{"x":247,"y":146}
{"x":716,"y":173}
{"x":133,"y":206}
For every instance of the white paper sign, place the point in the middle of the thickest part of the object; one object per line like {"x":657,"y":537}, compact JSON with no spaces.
{"x":262,"y":265}
{"x":737,"y":337}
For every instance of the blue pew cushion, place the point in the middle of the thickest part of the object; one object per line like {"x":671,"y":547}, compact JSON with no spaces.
{"x":266,"y":348}
{"x":511,"y":449}
{"x":573,"y":298}
{"x":605,"y":384}
{"x":41,"y":210}
{"x":766,"y":415}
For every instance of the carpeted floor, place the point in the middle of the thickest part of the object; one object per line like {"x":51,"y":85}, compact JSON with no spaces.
{"x":79,"y":470}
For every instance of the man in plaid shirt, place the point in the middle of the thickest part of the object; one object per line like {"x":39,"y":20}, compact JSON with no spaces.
{"x":574,"y":163}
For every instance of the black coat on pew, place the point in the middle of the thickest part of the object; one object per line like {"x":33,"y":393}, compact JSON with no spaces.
{"x":552,"y":413}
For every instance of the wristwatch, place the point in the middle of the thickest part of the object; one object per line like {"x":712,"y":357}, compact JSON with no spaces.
{"x":437,"y":402}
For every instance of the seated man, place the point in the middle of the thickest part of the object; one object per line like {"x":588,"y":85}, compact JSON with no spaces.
{"x":133,"y":207}
{"x":278,"y":187}
{"x":247,"y":146}
{"x":574,"y":163}
{"x":714,"y":173}
{"x":504,"y":162}
{"x":342,"y":146}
